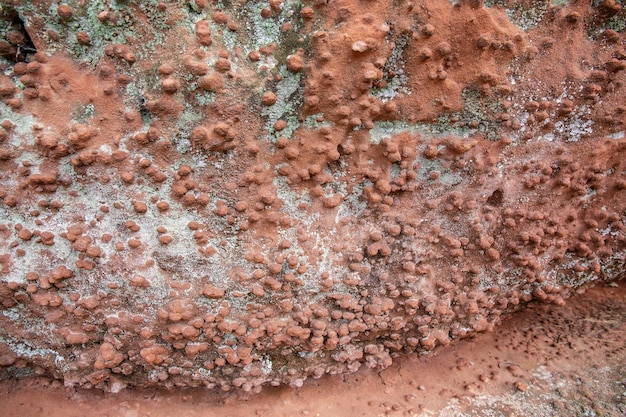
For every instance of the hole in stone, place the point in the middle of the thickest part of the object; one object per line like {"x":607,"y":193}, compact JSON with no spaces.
{"x":496,"y":198}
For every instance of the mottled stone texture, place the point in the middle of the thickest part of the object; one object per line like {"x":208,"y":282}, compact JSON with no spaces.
{"x":230,"y":194}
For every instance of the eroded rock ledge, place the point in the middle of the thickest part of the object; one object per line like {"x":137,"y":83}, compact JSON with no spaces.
{"x":231,"y":194}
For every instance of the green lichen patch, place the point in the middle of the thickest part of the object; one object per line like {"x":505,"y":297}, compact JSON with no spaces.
{"x":187,"y":120}
{"x":255,"y":31}
{"x":289,"y":100}
{"x":478,"y":113}
{"x":84,"y":113}
{"x":125,"y":23}
{"x":206,"y":98}
{"x":607,"y":18}
{"x":394,"y":78}
{"x":525,"y":14}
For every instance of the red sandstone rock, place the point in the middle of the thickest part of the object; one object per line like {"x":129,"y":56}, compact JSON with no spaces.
{"x":332,"y":202}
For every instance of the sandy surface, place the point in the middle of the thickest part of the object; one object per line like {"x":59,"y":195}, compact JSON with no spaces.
{"x":545,"y":361}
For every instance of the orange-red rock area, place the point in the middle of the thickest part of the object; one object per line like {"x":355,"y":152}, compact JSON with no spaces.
{"x":233,"y":194}
{"x":543,"y":361}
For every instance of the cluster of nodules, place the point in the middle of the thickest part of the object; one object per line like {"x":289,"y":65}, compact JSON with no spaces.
{"x":571,"y":233}
{"x":40,"y":176}
{"x":41,"y":82}
{"x":234,"y":345}
{"x":200,"y":78}
{"x":379,"y":54}
{"x":546,"y":114}
{"x":327,"y":80}
{"x":250,"y":198}
{"x":203,"y":327}
{"x":29,"y":75}
{"x":41,"y":184}
{"x":88,"y":251}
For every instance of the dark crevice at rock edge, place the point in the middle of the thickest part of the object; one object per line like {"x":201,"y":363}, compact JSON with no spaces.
{"x":23,"y":52}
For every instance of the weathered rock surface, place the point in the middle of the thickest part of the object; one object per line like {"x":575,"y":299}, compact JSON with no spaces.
{"x":240,"y":193}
